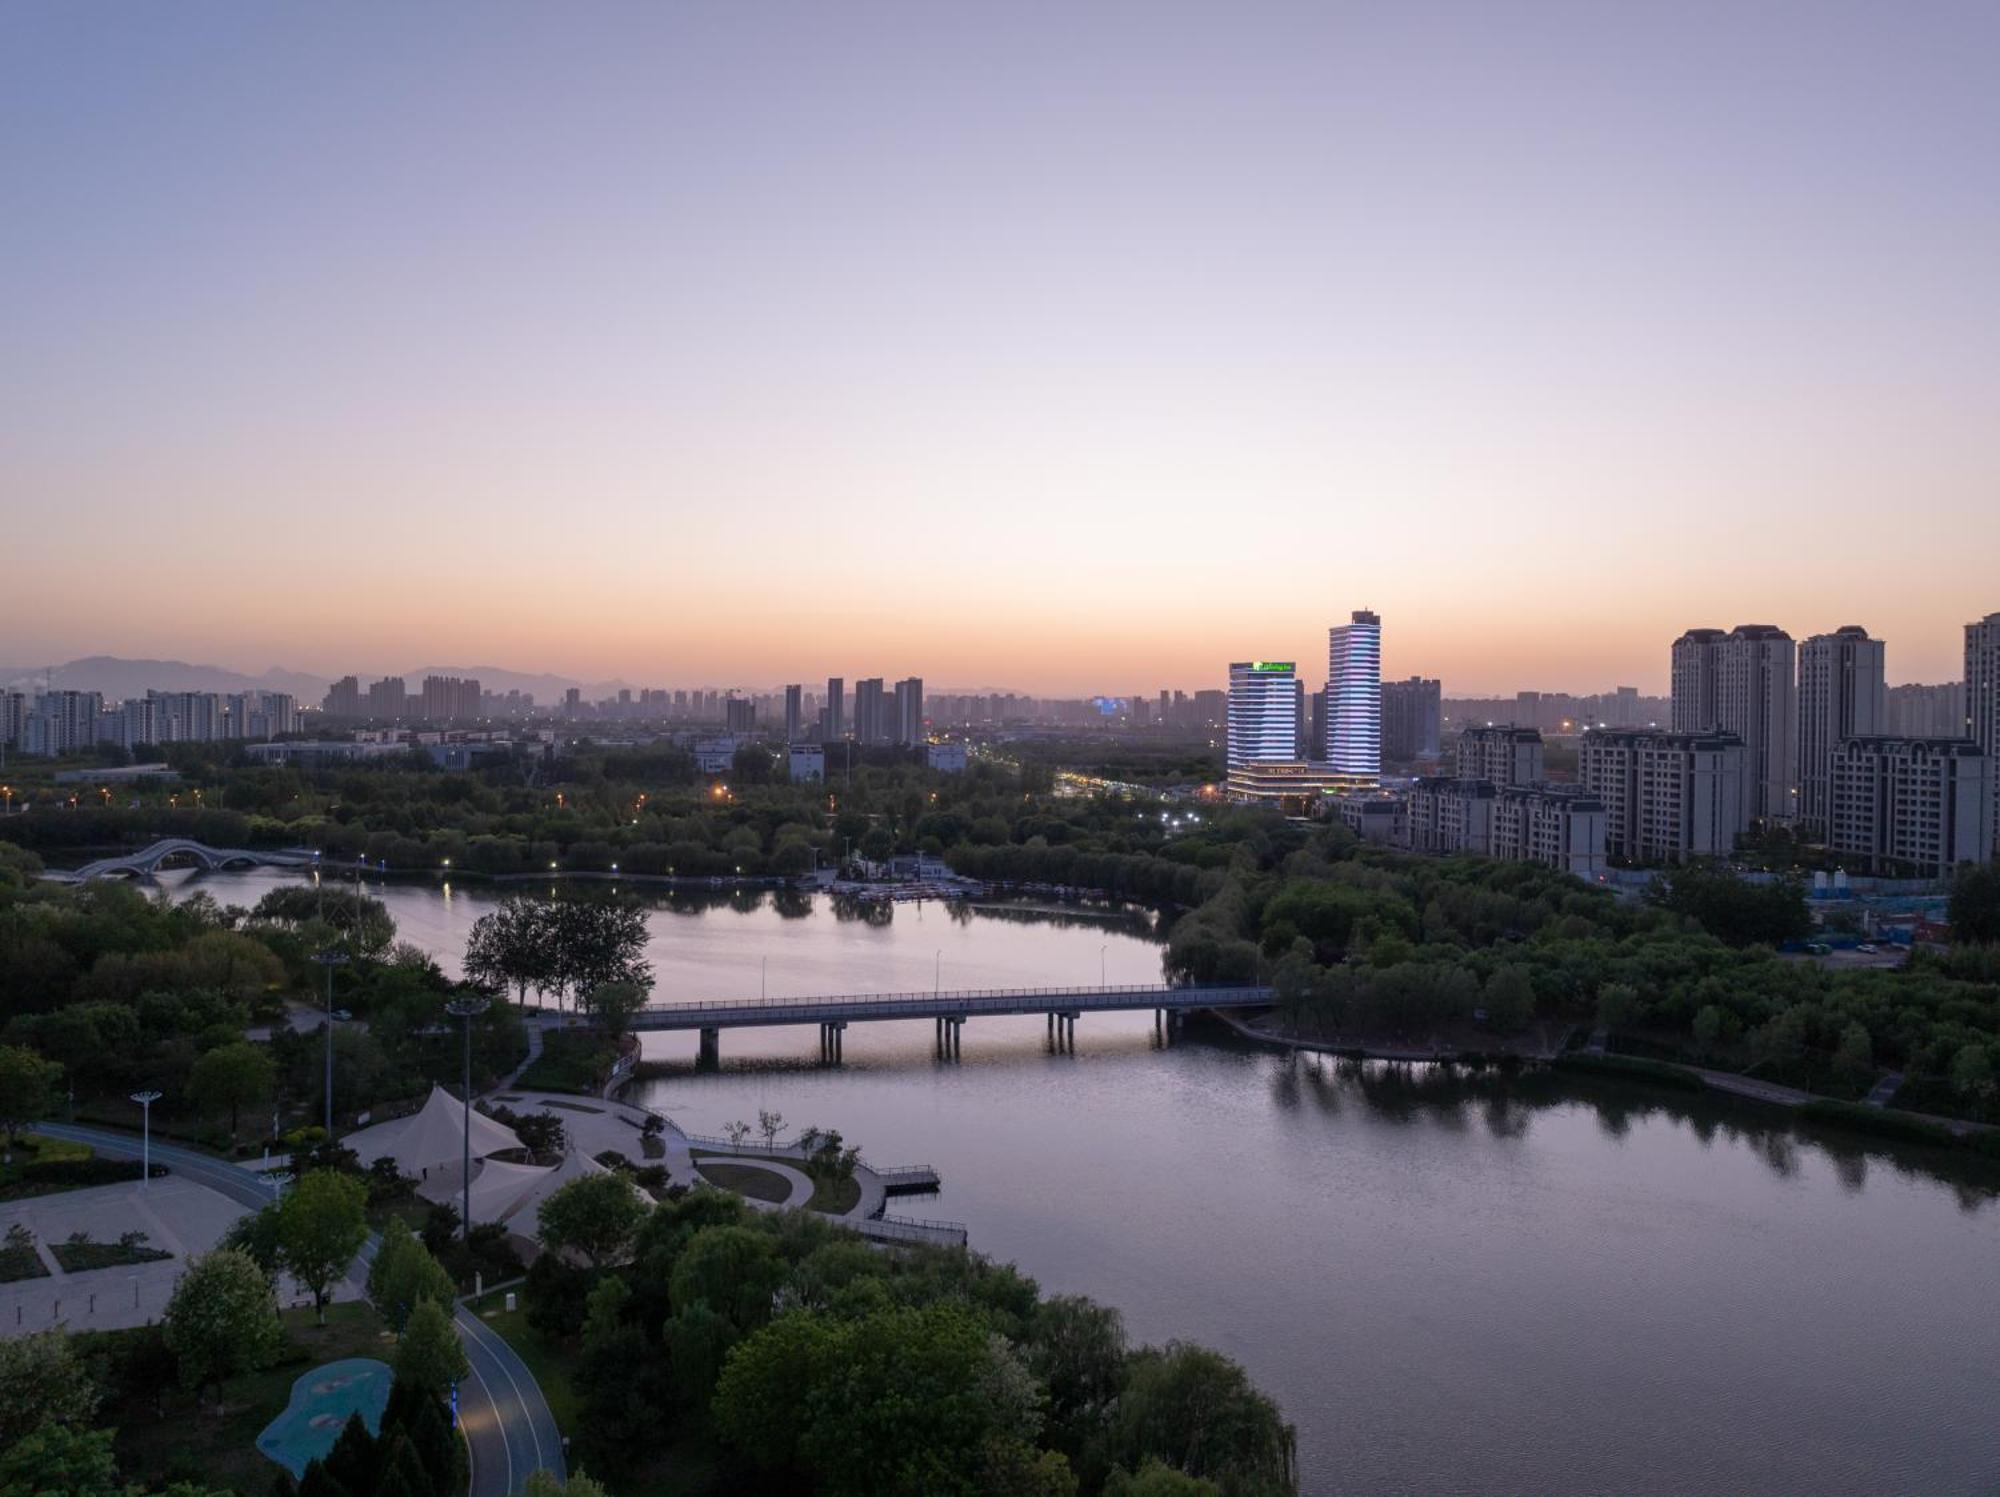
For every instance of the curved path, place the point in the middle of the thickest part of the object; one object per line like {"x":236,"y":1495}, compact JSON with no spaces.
{"x":508,"y":1427}
{"x":147,"y":860}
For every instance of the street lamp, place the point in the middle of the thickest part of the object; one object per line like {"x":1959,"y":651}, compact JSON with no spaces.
{"x":468,"y":1008}
{"x":146,"y":1101}
{"x":1102,"y":982}
{"x":329,"y":959}
{"x":279,"y":1180}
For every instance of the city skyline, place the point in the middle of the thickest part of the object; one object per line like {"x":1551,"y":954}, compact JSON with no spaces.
{"x":649,"y":349}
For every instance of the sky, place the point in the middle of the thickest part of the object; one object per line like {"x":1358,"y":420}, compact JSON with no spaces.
{"x":1056,"y":347}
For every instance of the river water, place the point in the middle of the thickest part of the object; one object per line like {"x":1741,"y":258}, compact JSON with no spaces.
{"x":1450,"y":1287}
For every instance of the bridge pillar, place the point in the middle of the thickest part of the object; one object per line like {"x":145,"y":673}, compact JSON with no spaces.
{"x":954,"y":1034}
{"x":709,"y":1056}
{"x":1069,"y":1040}
{"x":838,"y":1032}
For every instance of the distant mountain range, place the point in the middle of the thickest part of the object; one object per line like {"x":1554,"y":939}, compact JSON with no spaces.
{"x":118,"y":678}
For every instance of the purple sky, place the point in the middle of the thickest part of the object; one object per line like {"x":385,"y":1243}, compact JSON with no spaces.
{"x":1060,"y":346}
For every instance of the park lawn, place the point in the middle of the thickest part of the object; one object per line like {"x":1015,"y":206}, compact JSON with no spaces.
{"x":745,"y":1180}
{"x":181,"y":1439}
{"x":572,"y":1060}
{"x":835,"y":1197}
{"x":80,"y":1257}
{"x":545,"y":1358}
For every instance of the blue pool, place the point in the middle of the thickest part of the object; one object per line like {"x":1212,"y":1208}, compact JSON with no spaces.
{"x":321,"y":1401}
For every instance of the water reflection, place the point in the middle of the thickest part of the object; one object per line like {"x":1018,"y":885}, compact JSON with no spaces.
{"x":1505,"y":1107}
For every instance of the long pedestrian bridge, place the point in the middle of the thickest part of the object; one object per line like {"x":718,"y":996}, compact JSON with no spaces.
{"x":947,"y":1009}
{"x":149,"y":860}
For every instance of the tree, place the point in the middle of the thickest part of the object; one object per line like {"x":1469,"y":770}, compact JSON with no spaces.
{"x":1155,"y":1478}
{"x":42,"y":1381}
{"x":901,"y":1400}
{"x":513,"y":945}
{"x":222,"y":1319}
{"x":770,"y":1124}
{"x":735,"y":1271}
{"x":1974,"y":910}
{"x":1734,"y":910}
{"x":612,"y":1005}
{"x":429,"y":1354}
{"x":1077,"y":1347}
{"x":599,"y":941}
{"x":1196,"y":1411}
{"x":232,"y":1076}
{"x":27,"y":1089}
{"x":596,"y":1216}
{"x":1509,"y":999}
{"x":55,"y":1460}
{"x":1856,"y":1055}
{"x":544,"y":1483}
{"x":1618,"y":1006}
{"x":322,"y":1223}
{"x":403,"y":1274}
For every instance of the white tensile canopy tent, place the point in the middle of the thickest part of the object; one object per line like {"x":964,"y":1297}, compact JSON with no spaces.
{"x":432,"y":1137}
{"x":575,"y":1165}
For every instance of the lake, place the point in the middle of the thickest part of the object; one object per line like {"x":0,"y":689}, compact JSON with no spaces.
{"x":1450,"y":1286}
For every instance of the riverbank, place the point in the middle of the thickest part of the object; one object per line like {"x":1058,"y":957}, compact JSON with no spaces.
{"x":1908,"y":1127}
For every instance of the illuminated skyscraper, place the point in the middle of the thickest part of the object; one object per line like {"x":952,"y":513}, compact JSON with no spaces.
{"x":1354,"y":698}
{"x":1263,"y":712}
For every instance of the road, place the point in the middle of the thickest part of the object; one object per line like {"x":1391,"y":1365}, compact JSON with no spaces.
{"x":508,"y":1427}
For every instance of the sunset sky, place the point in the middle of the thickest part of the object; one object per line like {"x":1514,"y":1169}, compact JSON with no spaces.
{"x":1052,"y":347}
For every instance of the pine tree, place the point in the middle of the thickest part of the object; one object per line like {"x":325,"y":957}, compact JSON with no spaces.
{"x":355,"y":1461}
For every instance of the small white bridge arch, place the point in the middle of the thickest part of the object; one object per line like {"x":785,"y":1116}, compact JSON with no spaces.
{"x":148,"y":860}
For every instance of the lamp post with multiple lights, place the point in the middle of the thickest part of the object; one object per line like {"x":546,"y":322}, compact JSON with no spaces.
{"x":467,"y":1007}
{"x":146,"y":1100}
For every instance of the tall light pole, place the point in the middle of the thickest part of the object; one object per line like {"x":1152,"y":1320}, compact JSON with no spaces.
{"x":146,"y":1101}
{"x":329,"y":959}
{"x":937,"y":976}
{"x":1102,"y":981}
{"x":468,"y":1007}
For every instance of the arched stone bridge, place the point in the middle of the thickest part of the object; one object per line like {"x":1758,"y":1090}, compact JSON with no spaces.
{"x":149,"y":860}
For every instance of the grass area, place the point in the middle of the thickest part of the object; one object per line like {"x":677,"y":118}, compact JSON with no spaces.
{"x":19,"y":1260}
{"x":40,"y":1166}
{"x":572,"y":1060}
{"x":81,"y":1257}
{"x":746,"y":1180}
{"x":179,"y":1440}
{"x":835,"y":1197}
{"x":545,"y":1358}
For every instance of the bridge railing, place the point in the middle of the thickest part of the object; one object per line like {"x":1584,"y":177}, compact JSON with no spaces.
{"x":969,"y":999}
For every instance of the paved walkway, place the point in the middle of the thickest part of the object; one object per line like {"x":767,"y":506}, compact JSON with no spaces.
{"x":509,"y":1429}
{"x":178,"y":1215}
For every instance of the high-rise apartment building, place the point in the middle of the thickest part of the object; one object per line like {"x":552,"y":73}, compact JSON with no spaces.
{"x":62,"y":722}
{"x":1666,"y":796}
{"x":1263,"y":713}
{"x":739,"y":714}
{"x":343,"y":698}
{"x":14,"y":709}
{"x":1927,"y":711}
{"x":388,"y":699}
{"x":795,"y":712}
{"x":1842,"y":695}
{"x":1982,"y":701}
{"x":836,"y":709}
{"x":871,"y":717}
{"x":909,"y":711}
{"x":1744,"y":682}
{"x":447,"y":699}
{"x":1912,"y":806}
{"x":1505,"y":754}
{"x":1354,"y":698}
{"x":1412,"y":719}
